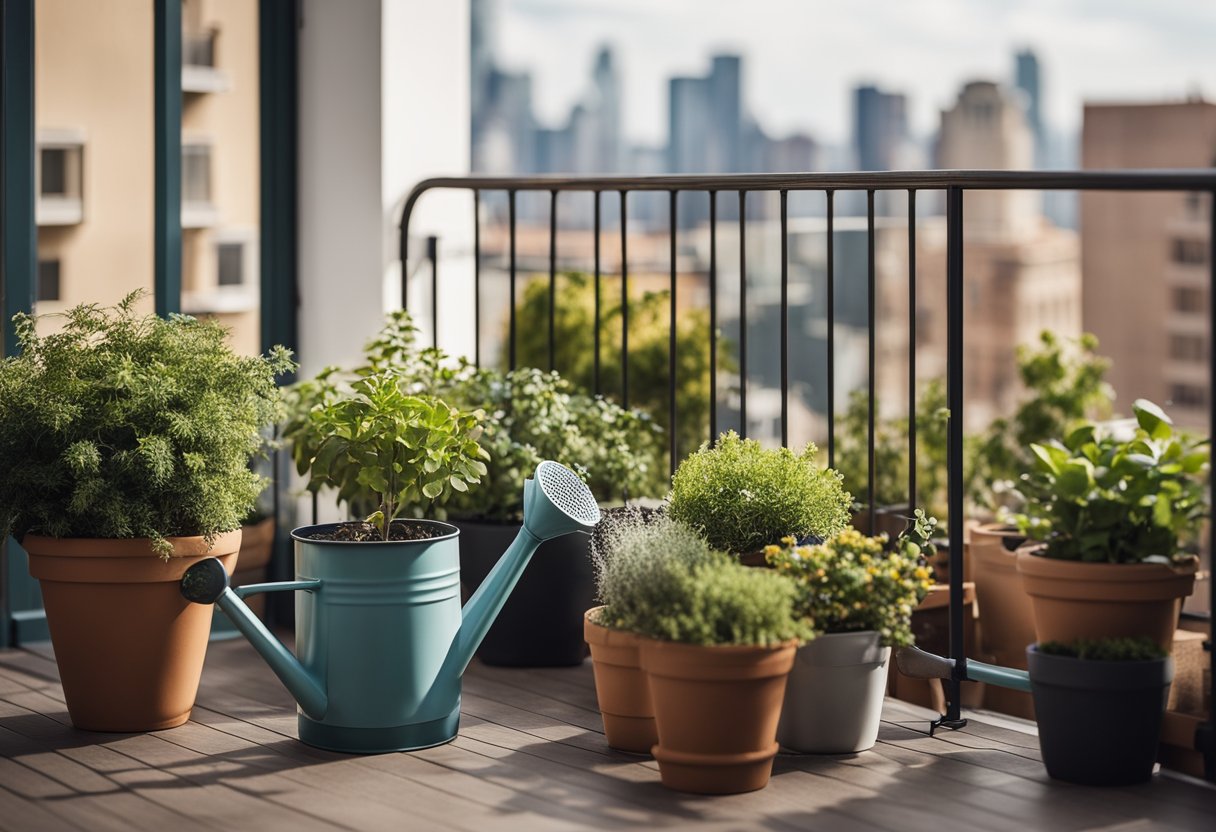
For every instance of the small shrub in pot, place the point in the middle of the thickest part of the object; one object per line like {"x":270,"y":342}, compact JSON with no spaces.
{"x":125,"y":439}
{"x":742,"y":497}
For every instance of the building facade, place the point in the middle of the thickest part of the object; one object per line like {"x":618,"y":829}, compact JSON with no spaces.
{"x":1146,"y":272}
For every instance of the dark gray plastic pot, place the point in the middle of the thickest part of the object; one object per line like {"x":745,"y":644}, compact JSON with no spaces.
{"x":1099,"y":722}
{"x":541,"y":624}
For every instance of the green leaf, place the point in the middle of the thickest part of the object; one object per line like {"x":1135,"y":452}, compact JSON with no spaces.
{"x":1075,"y":479}
{"x":1152,"y":419}
{"x":433,"y":489}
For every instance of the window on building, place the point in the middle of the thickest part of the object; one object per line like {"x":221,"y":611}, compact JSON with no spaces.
{"x":48,"y":280}
{"x":198,"y":48}
{"x":230,"y":258}
{"x":1188,"y":395}
{"x":1189,"y":252}
{"x":1188,"y":299}
{"x":59,"y":171}
{"x":196,"y":173}
{"x":1188,"y":348}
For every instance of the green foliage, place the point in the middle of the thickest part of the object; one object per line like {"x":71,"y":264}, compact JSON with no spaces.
{"x":574,"y":325}
{"x":659,"y":579}
{"x":1064,"y":381}
{"x":849,"y":583}
{"x":402,"y":449}
{"x":1097,"y":497}
{"x":741,"y":497}
{"x":1138,"y":649}
{"x":531,"y":416}
{"x":891,"y":450}
{"x":534,"y":416}
{"x":125,"y":425}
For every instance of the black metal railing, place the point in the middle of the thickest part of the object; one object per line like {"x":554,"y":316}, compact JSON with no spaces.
{"x":954,"y":184}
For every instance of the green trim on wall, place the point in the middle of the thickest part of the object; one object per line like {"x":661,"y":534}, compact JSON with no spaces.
{"x":167,"y":126}
{"x":18,"y":257}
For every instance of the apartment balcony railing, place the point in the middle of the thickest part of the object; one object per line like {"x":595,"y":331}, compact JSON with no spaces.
{"x":611,"y":193}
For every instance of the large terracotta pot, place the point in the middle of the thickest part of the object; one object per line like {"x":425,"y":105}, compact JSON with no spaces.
{"x":129,"y":647}
{"x":1073,"y":599}
{"x":833,"y":701}
{"x":257,"y":541}
{"x":620,"y":686}
{"x":716,"y":710}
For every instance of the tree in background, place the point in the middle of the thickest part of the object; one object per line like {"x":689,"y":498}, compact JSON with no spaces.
{"x":574,"y":327}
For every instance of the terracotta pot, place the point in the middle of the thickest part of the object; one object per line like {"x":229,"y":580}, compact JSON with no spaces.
{"x":1073,"y":599}
{"x":833,"y":702}
{"x":620,"y":686}
{"x":257,"y":541}
{"x":129,"y":647}
{"x":716,"y":710}
{"x":1006,"y":616}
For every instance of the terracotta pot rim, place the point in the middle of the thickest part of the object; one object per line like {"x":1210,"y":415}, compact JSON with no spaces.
{"x":1029,"y":562}
{"x":724,"y":648}
{"x":193,"y":546}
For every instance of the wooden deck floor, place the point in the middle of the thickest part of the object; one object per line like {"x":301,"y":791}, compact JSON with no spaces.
{"x":530,"y":756}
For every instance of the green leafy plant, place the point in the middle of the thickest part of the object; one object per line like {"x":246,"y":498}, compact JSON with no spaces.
{"x":402,"y":449}
{"x":1138,"y":649}
{"x":531,"y":416}
{"x":1065,"y":384}
{"x":659,"y":578}
{"x":742,"y":497}
{"x":891,"y":451}
{"x":574,"y":328}
{"x":126,"y":425}
{"x":1099,"y":497}
{"x":850,"y":583}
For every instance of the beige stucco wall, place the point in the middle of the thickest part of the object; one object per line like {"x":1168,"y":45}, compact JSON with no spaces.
{"x":93,"y":72}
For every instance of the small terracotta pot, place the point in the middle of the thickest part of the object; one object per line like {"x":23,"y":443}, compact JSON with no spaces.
{"x":1074,"y":599}
{"x":257,"y":541}
{"x":620,"y":686}
{"x":129,"y":647}
{"x":716,"y":711}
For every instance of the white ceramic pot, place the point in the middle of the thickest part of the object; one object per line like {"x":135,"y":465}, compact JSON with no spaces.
{"x":833,"y":700}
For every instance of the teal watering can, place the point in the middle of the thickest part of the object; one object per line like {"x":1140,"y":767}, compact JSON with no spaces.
{"x":381,"y":639}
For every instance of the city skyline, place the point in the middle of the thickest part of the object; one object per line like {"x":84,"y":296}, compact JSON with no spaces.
{"x":1090,"y":52}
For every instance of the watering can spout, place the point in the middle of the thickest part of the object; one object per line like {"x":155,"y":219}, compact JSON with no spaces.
{"x":206,"y":582}
{"x":556,"y":502}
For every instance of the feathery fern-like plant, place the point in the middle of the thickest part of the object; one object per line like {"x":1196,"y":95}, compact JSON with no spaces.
{"x":127,"y":425}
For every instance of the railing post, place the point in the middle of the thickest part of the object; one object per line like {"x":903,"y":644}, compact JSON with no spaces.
{"x":1205,"y":737}
{"x":167,"y":75}
{"x":432,"y":254}
{"x":954,"y":449}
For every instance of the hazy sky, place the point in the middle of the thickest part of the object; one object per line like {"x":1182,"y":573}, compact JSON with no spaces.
{"x":803,"y":57}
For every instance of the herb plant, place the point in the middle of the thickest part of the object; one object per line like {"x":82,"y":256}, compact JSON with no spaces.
{"x":850,"y":583}
{"x":403,"y":449}
{"x":742,"y":497}
{"x":530,"y":416}
{"x":125,"y":425}
{"x":660,"y":579}
{"x":1097,"y":497}
{"x":1138,"y":649}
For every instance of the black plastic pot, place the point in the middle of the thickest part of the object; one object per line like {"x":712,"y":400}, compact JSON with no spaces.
{"x":1099,"y":722}
{"x":541,"y":624}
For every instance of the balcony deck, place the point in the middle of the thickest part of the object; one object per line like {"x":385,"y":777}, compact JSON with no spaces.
{"x":530,"y":756}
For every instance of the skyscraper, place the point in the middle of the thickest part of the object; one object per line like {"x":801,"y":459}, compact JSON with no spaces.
{"x":606,"y":82}
{"x":1027,"y":79}
{"x":688,"y":125}
{"x":880,"y":128}
{"x":726,"y":114}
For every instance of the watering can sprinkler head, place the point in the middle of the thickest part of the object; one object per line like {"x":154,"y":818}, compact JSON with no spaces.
{"x":557,"y":502}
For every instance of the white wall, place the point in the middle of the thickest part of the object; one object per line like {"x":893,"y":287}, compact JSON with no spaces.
{"x":384,"y":103}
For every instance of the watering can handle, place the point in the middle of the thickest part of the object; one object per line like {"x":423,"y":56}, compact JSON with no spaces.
{"x":914,"y":662}
{"x":206,"y":582}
